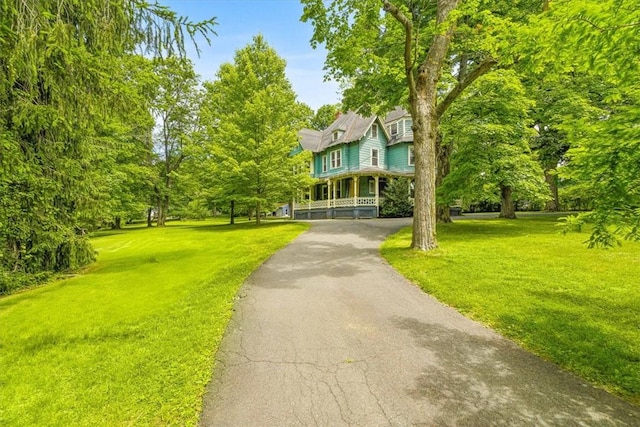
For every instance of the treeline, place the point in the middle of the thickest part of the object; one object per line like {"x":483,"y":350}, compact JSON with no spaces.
{"x":104,"y":120}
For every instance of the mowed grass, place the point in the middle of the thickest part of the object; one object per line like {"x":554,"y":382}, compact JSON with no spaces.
{"x":577,"y":307}
{"x":130,"y":341}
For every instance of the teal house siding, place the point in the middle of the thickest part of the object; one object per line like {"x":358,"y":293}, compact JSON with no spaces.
{"x":398,"y":158}
{"x":367,"y":144}
{"x":352,"y":136}
{"x":343,"y":149}
{"x":317,"y":165}
{"x":353,"y":156}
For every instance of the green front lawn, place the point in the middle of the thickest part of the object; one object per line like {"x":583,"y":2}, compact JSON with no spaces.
{"x":577,"y":307}
{"x":131,"y":341}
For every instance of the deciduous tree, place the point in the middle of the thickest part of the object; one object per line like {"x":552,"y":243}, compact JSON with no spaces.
{"x":398,"y":57}
{"x":489,"y":130}
{"x":176,"y":106}
{"x":252,"y":118}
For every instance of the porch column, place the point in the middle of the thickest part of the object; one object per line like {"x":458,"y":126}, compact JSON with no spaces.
{"x":329,"y":194}
{"x":377,"y":178}
{"x":335,"y":187}
{"x":356,"y":186}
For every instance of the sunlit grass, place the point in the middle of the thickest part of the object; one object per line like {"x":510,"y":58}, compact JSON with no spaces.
{"x":130,"y":341}
{"x":577,"y":307}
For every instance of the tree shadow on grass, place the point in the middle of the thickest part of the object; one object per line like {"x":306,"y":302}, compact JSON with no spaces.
{"x":133,"y":262}
{"x":484,"y":380}
{"x":575,"y":333}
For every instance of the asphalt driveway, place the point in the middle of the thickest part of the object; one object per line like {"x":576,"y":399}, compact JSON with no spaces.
{"x":327,"y":333}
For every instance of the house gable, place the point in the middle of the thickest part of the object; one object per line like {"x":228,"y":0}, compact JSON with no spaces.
{"x":399,"y":125}
{"x":375,"y":139}
{"x":353,"y":143}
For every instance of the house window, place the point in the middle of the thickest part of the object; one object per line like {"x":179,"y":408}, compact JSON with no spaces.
{"x":324,"y":163}
{"x":335,"y":135}
{"x":412,"y":159}
{"x":374,"y":130}
{"x":374,"y":157}
{"x":336,"y":159}
{"x":393,"y":129}
{"x":408,"y":125}
{"x":372,"y":187}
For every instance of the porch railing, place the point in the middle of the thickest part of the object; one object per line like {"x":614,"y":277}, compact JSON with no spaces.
{"x":337,"y":203}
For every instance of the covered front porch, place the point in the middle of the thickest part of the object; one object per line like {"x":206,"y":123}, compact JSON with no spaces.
{"x":349,"y":196}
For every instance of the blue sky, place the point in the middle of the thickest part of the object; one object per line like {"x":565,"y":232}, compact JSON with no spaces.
{"x":279,"y":22}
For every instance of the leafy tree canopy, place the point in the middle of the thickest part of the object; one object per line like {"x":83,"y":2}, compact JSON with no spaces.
{"x":252,"y":118}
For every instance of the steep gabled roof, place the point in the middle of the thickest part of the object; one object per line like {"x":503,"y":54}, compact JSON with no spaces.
{"x":392,"y":117}
{"x":309,"y":139}
{"x":395,"y":114}
{"x":352,"y":127}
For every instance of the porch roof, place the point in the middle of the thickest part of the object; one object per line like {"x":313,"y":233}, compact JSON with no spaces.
{"x":370,"y":171}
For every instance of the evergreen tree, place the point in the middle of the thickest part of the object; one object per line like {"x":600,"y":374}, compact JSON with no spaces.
{"x":397,"y":203}
{"x":64,"y":88}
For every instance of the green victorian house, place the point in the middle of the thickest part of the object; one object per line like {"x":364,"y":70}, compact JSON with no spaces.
{"x":352,"y":161}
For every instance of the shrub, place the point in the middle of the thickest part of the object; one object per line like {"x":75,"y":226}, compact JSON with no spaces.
{"x":397,"y":203}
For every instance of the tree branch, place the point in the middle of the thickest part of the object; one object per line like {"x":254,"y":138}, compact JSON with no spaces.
{"x":408,"y":40}
{"x":604,"y":29}
{"x":469,"y":78}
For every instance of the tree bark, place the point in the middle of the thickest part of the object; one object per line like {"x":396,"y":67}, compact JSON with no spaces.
{"x":233,"y":212}
{"x":258,"y":208}
{"x":550,"y":177}
{"x":443,"y":214}
{"x":291,"y":213}
{"x":424,"y":141}
{"x":163,"y":200}
{"x":117,"y":223}
{"x":163,"y":207}
{"x":507,"y":209}
{"x":422,"y":85}
{"x":149,"y":221}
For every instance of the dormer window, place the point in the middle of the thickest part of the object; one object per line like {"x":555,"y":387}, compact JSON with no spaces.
{"x":393,"y":129}
{"x":408,"y":124}
{"x":335,"y":135}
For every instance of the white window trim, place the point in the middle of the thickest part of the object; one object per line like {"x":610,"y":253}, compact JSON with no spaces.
{"x":391,"y":132}
{"x":404,"y":127}
{"x":336,"y":159}
{"x":409,"y":156}
{"x":325,"y":163}
{"x":374,"y":130}
{"x":377,"y":157}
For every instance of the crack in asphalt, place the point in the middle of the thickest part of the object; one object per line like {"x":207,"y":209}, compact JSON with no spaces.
{"x":326,"y":333}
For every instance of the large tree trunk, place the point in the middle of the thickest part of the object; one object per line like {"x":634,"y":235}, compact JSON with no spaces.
{"x":163,"y":201}
{"x":163,"y":207}
{"x":424,"y":147}
{"x":233,"y":212}
{"x":117,"y":223}
{"x":422,"y":85}
{"x":550,"y":177}
{"x":149,"y":221}
{"x":507,"y":208}
{"x":291,"y":213}
{"x":443,"y":214}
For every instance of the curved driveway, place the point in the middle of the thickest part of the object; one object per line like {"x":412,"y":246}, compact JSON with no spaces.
{"x":327,"y":333}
